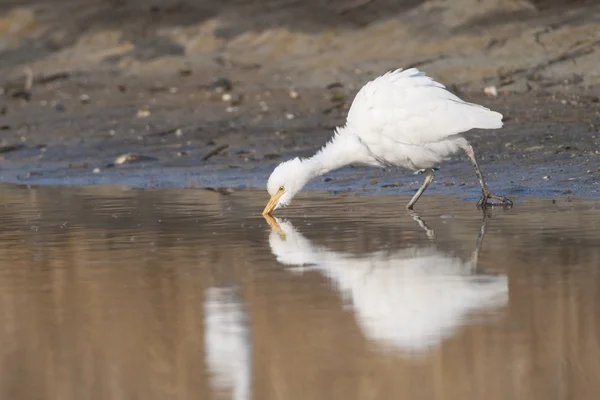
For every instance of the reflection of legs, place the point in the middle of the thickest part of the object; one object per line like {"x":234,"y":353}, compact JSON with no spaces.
{"x":479,"y":243}
{"x":428,"y":180}
{"x":486,"y":194}
{"x":430,"y":232}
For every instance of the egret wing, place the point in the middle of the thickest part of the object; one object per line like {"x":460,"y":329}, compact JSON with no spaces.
{"x":409,"y":107}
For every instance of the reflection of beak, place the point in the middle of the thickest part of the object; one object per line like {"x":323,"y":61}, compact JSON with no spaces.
{"x":274,"y":225}
{"x":273,"y":203}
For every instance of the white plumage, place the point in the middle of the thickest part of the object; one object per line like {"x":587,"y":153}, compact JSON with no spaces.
{"x":407,"y":119}
{"x":402,"y":118}
{"x":410,"y":107}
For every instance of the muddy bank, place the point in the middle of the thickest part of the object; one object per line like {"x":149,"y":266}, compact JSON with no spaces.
{"x":182,"y":94}
{"x":182,"y":135}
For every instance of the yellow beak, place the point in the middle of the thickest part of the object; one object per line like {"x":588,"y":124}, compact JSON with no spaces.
{"x":273,"y":202}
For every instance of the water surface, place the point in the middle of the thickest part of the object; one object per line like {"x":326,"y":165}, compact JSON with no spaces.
{"x":110,"y":293}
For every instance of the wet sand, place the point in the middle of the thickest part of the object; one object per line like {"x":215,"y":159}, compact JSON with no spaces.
{"x":124,"y":293}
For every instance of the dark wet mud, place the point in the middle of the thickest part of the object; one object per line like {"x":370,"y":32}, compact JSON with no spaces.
{"x":187,"y":136}
{"x":127,"y":293}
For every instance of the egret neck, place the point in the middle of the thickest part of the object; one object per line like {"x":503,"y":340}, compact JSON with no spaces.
{"x":343,"y":149}
{"x":291,"y":176}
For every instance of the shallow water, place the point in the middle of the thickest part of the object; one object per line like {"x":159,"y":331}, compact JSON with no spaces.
{"x":190,"y":294}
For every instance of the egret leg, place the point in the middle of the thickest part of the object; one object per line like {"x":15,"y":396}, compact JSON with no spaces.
{"x":485,"y":193}
{"x":428,"y":180}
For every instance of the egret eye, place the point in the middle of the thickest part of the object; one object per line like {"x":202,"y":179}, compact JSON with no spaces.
{"x":281,"y":189}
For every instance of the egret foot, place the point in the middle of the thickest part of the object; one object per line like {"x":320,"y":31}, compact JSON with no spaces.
{"x":486,"y":194}
{"x":504,"y":201}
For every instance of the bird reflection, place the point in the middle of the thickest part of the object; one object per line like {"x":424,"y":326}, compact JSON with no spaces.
{"x":409,"y":299}
{"x":228,"y":343}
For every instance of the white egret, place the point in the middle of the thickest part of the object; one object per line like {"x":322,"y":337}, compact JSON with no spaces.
{"x":402,"y":118}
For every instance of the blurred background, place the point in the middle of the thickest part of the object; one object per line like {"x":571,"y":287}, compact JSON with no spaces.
{"x":208,"y":86}
{"x":514,"y":44}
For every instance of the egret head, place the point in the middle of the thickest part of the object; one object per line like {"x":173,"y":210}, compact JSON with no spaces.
{"x":285,"y":181}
